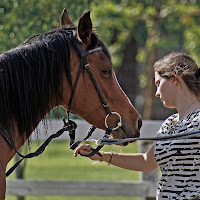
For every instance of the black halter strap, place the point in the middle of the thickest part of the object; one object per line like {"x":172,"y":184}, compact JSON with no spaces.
{"x":98,"y":89}
{"x":84,"y":64}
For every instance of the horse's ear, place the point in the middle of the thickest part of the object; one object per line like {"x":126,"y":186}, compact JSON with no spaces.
{"x":65,"y":20}
{"x":85,"y":28}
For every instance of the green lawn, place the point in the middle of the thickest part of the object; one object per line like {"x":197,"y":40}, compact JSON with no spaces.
{"x":58,"y":163}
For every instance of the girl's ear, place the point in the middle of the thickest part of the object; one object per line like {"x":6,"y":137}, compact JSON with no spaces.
{"x":175,"y":78}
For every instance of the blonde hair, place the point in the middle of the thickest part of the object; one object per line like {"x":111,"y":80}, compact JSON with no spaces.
{"x":183,"y":65}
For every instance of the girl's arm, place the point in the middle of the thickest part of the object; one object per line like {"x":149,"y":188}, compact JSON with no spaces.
{"x":145,"y":162}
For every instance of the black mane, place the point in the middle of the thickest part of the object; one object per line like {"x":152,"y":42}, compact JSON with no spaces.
{"x":31,"y":78}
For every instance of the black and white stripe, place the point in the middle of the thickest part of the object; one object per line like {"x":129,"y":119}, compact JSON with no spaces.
{"x":179,"y":160}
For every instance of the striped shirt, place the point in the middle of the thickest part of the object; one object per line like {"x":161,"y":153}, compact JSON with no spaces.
{"x":179,"y":160}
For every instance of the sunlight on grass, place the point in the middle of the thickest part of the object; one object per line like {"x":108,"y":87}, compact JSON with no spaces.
{"x":58,"y":163}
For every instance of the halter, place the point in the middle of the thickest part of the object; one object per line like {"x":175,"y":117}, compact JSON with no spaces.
{"x":84,"y":64}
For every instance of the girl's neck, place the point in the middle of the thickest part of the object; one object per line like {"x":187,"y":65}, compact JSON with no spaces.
{"x":187,"y":107}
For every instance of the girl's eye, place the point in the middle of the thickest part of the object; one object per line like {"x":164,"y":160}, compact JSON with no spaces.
{"x":107,"y":72}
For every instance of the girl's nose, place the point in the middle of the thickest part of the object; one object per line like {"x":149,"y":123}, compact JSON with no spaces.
{"x":157,"y":93}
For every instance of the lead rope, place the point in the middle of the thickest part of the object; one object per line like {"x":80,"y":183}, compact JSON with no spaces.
{"x":107,"y":141}
{"x":69,"y":126}
{"x":100,"y":146}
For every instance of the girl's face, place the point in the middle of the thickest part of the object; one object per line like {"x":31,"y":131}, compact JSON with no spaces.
{"x":166,"y":90}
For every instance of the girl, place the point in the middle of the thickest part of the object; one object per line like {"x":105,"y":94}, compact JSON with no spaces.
{"x":177,"y":78}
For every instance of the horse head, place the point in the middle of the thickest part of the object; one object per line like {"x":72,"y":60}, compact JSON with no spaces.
{"x":86,"y":101}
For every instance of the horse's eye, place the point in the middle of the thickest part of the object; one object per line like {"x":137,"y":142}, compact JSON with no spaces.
{"x":107,"y":72}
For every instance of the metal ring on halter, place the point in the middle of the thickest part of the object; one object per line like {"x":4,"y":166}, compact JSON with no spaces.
{"x":118,"y":124}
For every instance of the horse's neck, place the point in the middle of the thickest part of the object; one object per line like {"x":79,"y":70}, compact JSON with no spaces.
{"x":65,"y":94}
{"x":20,"y":139}
{"x":64,"y":101}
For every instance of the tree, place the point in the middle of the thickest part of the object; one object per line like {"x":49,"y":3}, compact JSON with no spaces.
{"x":136,"y":33}
{"x":158,"y":27}
{"x":22,"y":19}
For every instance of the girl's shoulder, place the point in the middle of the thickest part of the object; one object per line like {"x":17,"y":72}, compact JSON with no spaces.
{"x":196,"y":113}
{"x":189,"y":117}
{"x":190,"y":121}
{"x":166,"y":125}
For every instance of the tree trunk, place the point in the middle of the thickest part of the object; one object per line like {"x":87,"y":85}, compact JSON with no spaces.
{"x":153,"y":35}
{"x":149,"y":91}
{"x":127,"y":73}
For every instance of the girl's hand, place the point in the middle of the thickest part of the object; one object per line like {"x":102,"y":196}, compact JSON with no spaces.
{"x":84,"y":150}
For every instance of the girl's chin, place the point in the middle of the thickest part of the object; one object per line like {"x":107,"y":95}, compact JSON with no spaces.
{"x":167,"y":105}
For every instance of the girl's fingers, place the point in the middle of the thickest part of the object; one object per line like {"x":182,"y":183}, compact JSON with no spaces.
{"x":85,"y":150}
{"x":82,"y":149}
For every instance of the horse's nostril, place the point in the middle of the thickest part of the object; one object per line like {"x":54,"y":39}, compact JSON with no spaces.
{"x":139,"y":124}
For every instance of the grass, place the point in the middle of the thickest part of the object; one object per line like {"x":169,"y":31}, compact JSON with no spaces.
{"x":58,"y":163}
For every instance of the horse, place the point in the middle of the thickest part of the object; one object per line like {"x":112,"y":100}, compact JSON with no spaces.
{"x":39,"y":74}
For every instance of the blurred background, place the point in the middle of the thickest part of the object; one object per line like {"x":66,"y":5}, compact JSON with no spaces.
{"x":136,"y":33}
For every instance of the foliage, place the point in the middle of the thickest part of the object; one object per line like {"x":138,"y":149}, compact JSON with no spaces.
{"x":22,"y":19}
{"x":115,"y":21}
{"x":175,"y":27}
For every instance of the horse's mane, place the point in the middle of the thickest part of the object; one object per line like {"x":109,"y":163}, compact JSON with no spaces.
{"x":31,"y":76}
